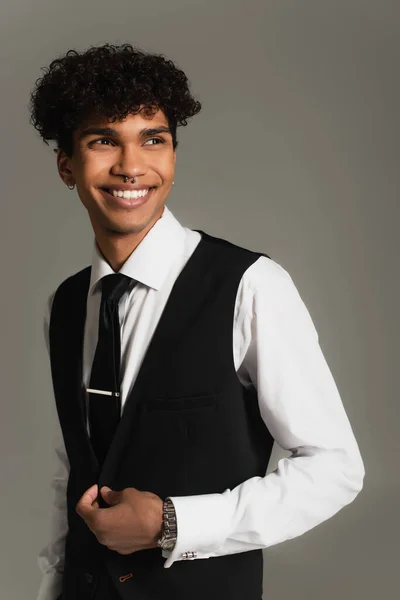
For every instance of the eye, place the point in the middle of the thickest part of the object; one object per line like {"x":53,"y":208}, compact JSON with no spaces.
{"x":158,"y":139}
{"x":99,"y":140}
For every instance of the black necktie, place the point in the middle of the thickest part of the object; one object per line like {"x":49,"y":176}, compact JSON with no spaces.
{"x":105,"y":410}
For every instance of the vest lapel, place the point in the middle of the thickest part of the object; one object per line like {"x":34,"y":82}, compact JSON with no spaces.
{"x":66,"y":337}
{"x":166,"y":329}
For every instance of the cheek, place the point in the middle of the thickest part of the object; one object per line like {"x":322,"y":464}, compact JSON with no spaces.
{"x":169,"y":174}
{"x":166,"y":168}
{"x":93,"y":167}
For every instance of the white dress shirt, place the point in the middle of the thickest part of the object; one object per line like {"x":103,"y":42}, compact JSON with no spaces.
{"x":276,"y":350}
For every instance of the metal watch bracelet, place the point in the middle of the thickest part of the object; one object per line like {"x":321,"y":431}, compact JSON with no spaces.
{"x":169,"y":532}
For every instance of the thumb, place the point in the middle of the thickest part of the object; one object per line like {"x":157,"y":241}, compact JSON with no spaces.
{"x":110,"y":496}
{"x":85,"y":504}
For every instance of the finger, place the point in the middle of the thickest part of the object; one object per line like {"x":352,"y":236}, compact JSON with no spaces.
{"x":85,"y":505}
{"x":110,"y":496}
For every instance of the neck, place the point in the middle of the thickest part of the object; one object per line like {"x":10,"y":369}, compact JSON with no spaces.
{"x":117,"y":251}
{"x":117,"y":247}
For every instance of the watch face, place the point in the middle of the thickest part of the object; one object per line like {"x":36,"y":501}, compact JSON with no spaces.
{"x":169,"y":545}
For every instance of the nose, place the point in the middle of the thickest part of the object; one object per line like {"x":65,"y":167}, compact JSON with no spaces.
{"x":130,"y":162}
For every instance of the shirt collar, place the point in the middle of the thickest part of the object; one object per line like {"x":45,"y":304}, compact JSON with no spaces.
{"x":151,"y":260}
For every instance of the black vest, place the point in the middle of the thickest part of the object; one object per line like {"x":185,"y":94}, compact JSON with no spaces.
{"x":188,"y":427}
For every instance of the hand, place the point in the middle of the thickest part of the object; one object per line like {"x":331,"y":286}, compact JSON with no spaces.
{"x":132,"y":522}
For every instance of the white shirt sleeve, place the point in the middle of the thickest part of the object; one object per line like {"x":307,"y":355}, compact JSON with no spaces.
{"x":276,"y":346}
{"x":51,"y":558}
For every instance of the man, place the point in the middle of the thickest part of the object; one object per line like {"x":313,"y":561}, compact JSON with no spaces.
{"x":177,"y":359}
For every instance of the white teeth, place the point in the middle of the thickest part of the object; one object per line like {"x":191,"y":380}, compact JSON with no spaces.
{"x":129,"y":193}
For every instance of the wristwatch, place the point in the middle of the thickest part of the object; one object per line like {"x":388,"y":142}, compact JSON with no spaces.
{"x":169,"y":531}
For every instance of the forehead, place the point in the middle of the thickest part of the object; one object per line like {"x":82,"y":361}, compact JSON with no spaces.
{"x":130,"y":123}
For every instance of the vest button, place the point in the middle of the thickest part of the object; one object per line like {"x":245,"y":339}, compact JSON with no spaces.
{"x":89,"y":577}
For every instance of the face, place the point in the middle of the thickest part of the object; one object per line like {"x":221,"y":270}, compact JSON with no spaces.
{"x":100,"y":159}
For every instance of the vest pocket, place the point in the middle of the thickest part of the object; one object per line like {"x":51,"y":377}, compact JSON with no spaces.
{"x":202,"y":402}
{"x":156,"y":458}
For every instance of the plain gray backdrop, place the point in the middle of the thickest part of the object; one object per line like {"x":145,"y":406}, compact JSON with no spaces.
{"x":295,"y":154}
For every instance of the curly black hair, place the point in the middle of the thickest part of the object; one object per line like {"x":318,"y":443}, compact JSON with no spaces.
{"x":112,"y":82}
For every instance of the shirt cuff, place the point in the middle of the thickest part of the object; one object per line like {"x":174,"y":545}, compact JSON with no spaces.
{"x":50,"y":586}
{"x":203,"y":524}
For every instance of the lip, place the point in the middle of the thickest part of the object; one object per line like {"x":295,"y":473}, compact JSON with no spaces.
{"x":127,"y":202}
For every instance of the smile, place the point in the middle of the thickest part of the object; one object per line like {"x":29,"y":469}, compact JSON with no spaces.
{"x":128,"y":199}
{"x":129,"y":193}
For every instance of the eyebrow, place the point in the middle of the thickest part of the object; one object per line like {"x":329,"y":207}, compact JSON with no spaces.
{"x":114,"y":133}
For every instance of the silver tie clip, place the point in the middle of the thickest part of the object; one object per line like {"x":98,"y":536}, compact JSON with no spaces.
{"x":104,"y":393}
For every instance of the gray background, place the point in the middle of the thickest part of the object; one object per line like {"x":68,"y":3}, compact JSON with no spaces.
{"x":295,"y":154}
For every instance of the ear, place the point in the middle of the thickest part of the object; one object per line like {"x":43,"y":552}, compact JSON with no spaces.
{"x":64,"y":166}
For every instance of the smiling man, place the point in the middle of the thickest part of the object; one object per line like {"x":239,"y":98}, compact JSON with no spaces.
{"x":121,"y":213}
{"x":177,"y":359}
